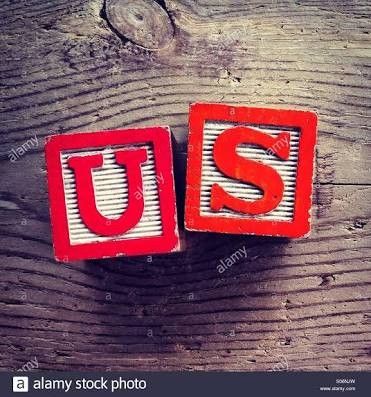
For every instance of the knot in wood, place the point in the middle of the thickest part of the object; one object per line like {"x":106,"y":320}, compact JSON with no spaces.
{"x":144,"y":22}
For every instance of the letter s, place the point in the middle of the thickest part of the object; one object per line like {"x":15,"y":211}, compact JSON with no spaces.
{"x":253,"y":172}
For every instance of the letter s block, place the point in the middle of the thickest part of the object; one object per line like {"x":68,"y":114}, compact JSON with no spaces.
{"x":112,"y":193}
{"x":250,"y":170}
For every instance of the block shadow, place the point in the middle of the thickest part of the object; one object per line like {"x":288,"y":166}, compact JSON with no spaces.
{"x":167,"y":310}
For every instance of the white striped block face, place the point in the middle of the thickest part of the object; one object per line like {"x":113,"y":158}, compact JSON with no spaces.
{"x":285,"y":168}
{"x":112,"y":193}
{"x":111,"y":196}
{"x":250,"y":170}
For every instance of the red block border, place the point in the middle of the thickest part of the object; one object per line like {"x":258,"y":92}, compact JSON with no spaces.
{"x":160,"y":137}
{"x":305,"y":120}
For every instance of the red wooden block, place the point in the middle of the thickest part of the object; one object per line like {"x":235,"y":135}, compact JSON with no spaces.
{"x":112,"y":193}
{"x":250,"y":170}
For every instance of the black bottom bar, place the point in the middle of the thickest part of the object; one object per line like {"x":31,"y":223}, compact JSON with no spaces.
{"x":186,"y":384}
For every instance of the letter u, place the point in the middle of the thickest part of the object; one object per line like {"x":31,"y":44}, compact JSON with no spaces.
{"x":93,"y":219}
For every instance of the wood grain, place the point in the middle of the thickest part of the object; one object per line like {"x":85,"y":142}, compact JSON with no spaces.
{"x":304,"y":303}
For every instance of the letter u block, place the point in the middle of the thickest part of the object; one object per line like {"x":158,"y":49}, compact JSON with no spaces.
{"x":250,"y":170}
{"x":112,"y":193}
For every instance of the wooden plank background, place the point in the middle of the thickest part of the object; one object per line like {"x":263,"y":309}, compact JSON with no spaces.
{"x":296,"y":305}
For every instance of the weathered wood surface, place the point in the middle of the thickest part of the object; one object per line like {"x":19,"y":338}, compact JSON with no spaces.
{"x":297,"y":305}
